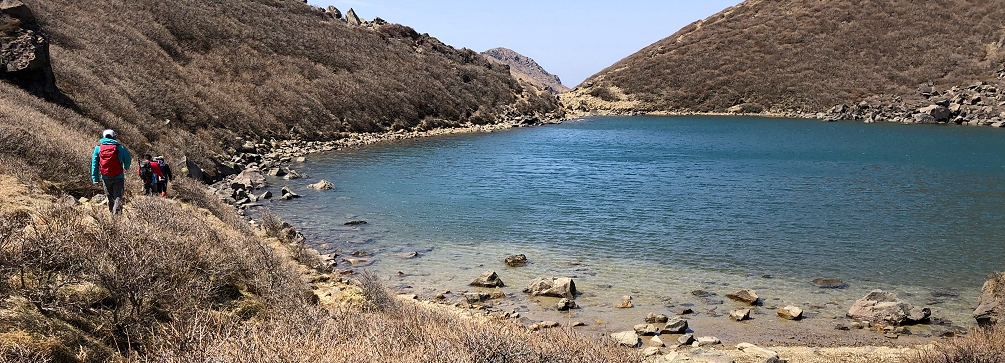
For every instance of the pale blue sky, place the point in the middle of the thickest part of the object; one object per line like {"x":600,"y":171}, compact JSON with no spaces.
{"x":573,"y":39}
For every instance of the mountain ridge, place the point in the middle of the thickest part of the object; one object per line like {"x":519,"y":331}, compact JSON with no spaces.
{"x":527,"y":69}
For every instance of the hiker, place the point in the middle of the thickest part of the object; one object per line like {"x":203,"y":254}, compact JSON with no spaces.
{"x":150,"y":172}
{"x":110,"y":161}
{"x":166,"y":172}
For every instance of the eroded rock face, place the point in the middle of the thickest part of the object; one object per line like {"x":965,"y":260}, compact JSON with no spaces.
{"x":885,"y":308}
{"x":24,"y":51}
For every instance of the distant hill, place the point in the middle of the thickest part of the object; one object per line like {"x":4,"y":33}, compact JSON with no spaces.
{"x":800,"y":55}
{"x":527,"y":69}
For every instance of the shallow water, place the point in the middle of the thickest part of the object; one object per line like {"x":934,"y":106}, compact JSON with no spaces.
{"x":656,"y":207}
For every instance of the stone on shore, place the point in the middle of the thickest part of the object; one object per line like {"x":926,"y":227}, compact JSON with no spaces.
{"x":322,"y":185}
{"x":758,"y":351}
{"x":746,"y":296}
{"x":651,"y":351}
{"x":543,"y":325}
{"x":791,"y":313}
{"x":476,"y":297}
{"x":567,"y":304}
{"x":293,"y":174}
{"x":646,"y":329}
{"x":288,"y":194}
{"x":703,"y":341}
{"x":990,"y":309}
{"x":516,"y":260}
{"x":627,"y":338}
{"x":554,"y":287}
{"x":487,"y":279}
{"x":251,"y":178}
{"x":656,"y":341}
{"x":740,"y":315}
{"x":884,"y":307}
{"x":654,"y":318}
{"x":675,"y":325}
{"x":685,"y":339}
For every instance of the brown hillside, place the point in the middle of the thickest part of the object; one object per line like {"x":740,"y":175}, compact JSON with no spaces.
{"x":187,"y":77}
{"x":808,"y":55}
{"x":526,"y":68}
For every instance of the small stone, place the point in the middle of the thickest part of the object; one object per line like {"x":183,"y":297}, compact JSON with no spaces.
{"x":488,"y":279}
{"x":758,"y":351}
{"x":626,"y":338}
{"x":740,"y":315}
{"x":516,"y":260}
{"x":624,"y":305}
{"x":497,"y":294}
{"x":567,"y":304}
{"x":685,"y":311}
{"x":656,"y":342}
{"x":646,"y":330}
{"x":746,"y":296}
{"x":841,"y":327}
{"x":651,"y":351}
{"x":703,"y":341}
{"x":675,"y":326}
{"x":654,"y":318}
{"x":685,"y":339}
{"x":578,"y":324}
{"x":791,"y":313}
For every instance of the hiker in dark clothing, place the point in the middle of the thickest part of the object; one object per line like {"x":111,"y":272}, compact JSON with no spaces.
{"x":108,"y":164}
{"x":166,"y":172}
{"x":150,"y":172}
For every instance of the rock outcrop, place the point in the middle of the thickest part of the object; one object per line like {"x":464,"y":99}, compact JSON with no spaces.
{"x":24,"y":51}
{"x":352,"y":18}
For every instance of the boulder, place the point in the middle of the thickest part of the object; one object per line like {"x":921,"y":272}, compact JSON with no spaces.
{"x":791,"y":313}
{"x":990,"y":309}
{"x":939,"y":113}
{"x":476,"y":297}
{"x":251,"y":178}
{"x":674,"y":325}
{"x":555,"y":287}
{"x":322,"y":185}
{"x":740,"y":315}
{"x":651,"y":351}
{"x":829,"y":283}
{"x":516,"y":260}
{"x":656,"y":341}
{"x":885,"y":308}
{"x":24,"y":52}
{"x":627,"y":338}
{"x":292,"y":174}
{"x":194,"y":171}
{"x":567,"y":304}
{"x":288,"y":194}
{"x":266,"y":195}
{"x":335,"y":13}
{"x":745,"y":296}
{"x":923,"y":118}
{"x":488,"y":279}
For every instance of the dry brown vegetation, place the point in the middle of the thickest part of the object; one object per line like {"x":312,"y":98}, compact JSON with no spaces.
{"x":809,"y":55}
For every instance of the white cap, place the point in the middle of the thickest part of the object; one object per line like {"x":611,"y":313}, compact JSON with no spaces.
{"x":108,"y":133}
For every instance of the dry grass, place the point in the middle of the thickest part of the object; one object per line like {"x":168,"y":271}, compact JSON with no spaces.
{"x":982,"y":345}
{"x":811,"y":55}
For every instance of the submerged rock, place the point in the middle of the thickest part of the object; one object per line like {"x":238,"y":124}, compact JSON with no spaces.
{"x":516,"y":260}
{"x":567,"y":304}
{"x":322,"y":185}
{"x":828,"y":283}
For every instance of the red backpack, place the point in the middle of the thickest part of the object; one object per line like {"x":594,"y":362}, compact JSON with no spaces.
{"x":108,"y":160}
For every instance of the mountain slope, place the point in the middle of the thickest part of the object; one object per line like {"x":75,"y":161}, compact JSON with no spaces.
{"x":806,"y":56}
{"x":527,"y":69}
{"x":188,"y":77}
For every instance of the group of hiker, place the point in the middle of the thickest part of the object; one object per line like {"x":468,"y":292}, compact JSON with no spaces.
{"x":110,"y":162}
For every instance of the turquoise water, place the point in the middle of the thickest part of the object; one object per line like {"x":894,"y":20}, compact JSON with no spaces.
{"x":701,"y":199}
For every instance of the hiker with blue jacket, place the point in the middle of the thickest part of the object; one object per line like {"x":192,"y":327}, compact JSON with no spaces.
{"x":109,"y":162}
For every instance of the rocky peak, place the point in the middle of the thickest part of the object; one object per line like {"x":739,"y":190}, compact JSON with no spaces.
{"x":352,"y":19}
{"x":24,"y":51}
{"x":527,"y":69}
